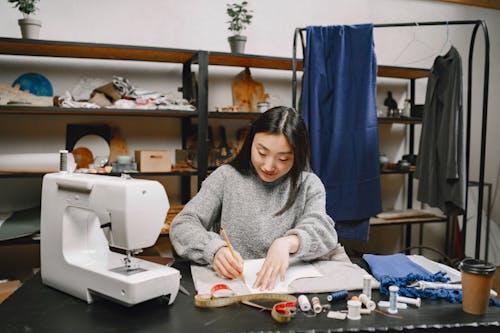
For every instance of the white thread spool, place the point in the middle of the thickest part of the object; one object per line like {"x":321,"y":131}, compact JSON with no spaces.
{"x":353,"y":310}
{"x":385,"y":304}
{"x":63,"y":161}
{"x":370,"y":305}
{"x":304,"y":303}
{"x":316,"y":304}
{"x":415,"y":301}
{"x":367,"y":286}
{"x":393,"y":295}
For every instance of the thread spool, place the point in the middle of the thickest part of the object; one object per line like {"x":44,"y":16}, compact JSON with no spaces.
{"x":367,"y":286}
{"x":337,"y":296}
{"x":370,"y":305}
{"x":385,"y":304}
{"x":353,"y":310}
{"x":393,"y":295}
{"x":63,"y":161}
{"x":304,"y":303}
{"x":316,"y":304}
{"x":415,"y":301}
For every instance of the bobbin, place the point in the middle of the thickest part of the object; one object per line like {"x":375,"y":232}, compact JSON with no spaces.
{"x":316,"y":304}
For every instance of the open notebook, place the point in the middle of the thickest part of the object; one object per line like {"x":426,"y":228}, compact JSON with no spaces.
{"x":205,"y":278}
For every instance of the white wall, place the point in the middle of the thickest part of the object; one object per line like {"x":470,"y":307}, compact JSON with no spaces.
{"x":198,"y":24}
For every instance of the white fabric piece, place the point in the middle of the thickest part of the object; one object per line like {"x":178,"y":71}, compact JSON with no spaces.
{"x":435,"y":267}
{"x":67,"y":101}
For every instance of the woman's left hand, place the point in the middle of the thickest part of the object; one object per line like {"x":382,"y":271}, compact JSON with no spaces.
{"x":276,"y":262}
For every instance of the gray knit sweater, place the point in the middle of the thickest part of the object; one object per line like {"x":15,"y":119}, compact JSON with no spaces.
{"x":246,"y":206}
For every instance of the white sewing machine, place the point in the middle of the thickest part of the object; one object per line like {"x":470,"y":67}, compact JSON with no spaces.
{"x":75,"y":253}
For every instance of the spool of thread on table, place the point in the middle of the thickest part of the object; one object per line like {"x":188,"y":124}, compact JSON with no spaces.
{"x":353,"y":309}
{"x":63,"y":161}
{"x":370,"y":305}
{"x":304,"y":304}
{"x":367,"y":286}
{"x":316,"y":304}
{"x":337,"y":296}
{"x":415,"y":301}
{"x":393,"y":296}
{"x":385,"y":304}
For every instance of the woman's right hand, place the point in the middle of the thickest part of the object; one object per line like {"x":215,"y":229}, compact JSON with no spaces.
{"x":226,"y":265}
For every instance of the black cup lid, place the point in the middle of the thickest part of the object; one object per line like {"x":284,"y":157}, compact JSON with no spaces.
{"x":476,"y":266}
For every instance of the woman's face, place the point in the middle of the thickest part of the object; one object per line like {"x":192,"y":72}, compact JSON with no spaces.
{"x":272,"y":156}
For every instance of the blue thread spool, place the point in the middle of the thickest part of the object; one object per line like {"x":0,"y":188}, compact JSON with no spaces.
{"x":337,"y":296}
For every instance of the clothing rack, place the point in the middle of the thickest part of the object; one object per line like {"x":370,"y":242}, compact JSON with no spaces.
{"x":480,"y":183}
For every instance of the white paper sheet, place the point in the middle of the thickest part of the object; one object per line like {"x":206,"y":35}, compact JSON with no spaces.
{"x":205,"y":278}
{"x":294,"y":272}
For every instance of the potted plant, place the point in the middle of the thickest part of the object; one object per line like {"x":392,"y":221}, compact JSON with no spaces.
{"x":30,"y":27}
{"x":240,"y":18}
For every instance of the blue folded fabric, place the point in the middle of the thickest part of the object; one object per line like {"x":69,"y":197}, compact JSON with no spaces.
{"x":398,"y":270}
{"x":394,"y":265}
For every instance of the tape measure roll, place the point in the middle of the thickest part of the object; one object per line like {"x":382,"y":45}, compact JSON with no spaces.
{"x":281,"y":312}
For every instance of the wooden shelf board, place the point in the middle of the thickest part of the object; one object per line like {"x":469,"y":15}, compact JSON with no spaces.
{"x":132,"y":174}
{"x":233,"y":115}
{"x":51,"y":48}
{"x":374,"y":221}
{"x":47,"y":111}
{"x":402,"y":72}
{"x":63,"y":49}
{"x":251,"y":60}
{"x":401,"y":120}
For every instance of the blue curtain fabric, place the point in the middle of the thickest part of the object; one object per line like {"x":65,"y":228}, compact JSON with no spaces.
{"x":339,"y":108}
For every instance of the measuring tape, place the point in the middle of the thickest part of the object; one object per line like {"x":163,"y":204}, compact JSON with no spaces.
{"x":281,"y":312}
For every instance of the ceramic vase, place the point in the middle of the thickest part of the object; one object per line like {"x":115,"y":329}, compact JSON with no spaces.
{"x":237,"y":43}
{"x":30,"y":28}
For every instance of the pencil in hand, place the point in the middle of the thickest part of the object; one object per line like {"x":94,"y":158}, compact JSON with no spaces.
{"x":228,"y":243}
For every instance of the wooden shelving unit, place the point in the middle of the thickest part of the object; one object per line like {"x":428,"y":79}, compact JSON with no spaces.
{"x":64,"y":49}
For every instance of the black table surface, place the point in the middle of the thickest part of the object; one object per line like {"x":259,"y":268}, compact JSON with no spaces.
{"x":38,"y":308}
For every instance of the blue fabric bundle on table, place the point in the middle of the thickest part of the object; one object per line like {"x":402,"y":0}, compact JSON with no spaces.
{"x":339,"y":108}
{"x":395,"y":265}
{"x":398,"y":270}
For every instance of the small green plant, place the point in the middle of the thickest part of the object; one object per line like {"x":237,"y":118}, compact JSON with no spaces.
{"x":25,"y":6}
{"x":240,"y":16}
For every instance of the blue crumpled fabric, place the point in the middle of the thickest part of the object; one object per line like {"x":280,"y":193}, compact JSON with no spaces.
{"x":398,"y":270}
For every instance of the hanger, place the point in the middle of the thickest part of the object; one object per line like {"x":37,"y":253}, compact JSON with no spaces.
{"x":447,"y":38}
{"x":416,"y":40}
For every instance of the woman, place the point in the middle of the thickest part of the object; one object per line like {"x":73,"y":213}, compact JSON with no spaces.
{"x":269,"y":206}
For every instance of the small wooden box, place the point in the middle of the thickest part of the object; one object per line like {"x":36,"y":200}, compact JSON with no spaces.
{"x":153,"y":160}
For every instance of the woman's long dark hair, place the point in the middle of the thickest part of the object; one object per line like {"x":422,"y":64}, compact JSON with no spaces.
{"x":286,"y":121}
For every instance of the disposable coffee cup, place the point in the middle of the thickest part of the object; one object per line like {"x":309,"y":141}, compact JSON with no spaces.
{"x":477,"y":281}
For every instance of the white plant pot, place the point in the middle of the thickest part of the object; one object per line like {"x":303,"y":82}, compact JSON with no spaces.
{"x":237,"y":43}
{"x":30,"y":28}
